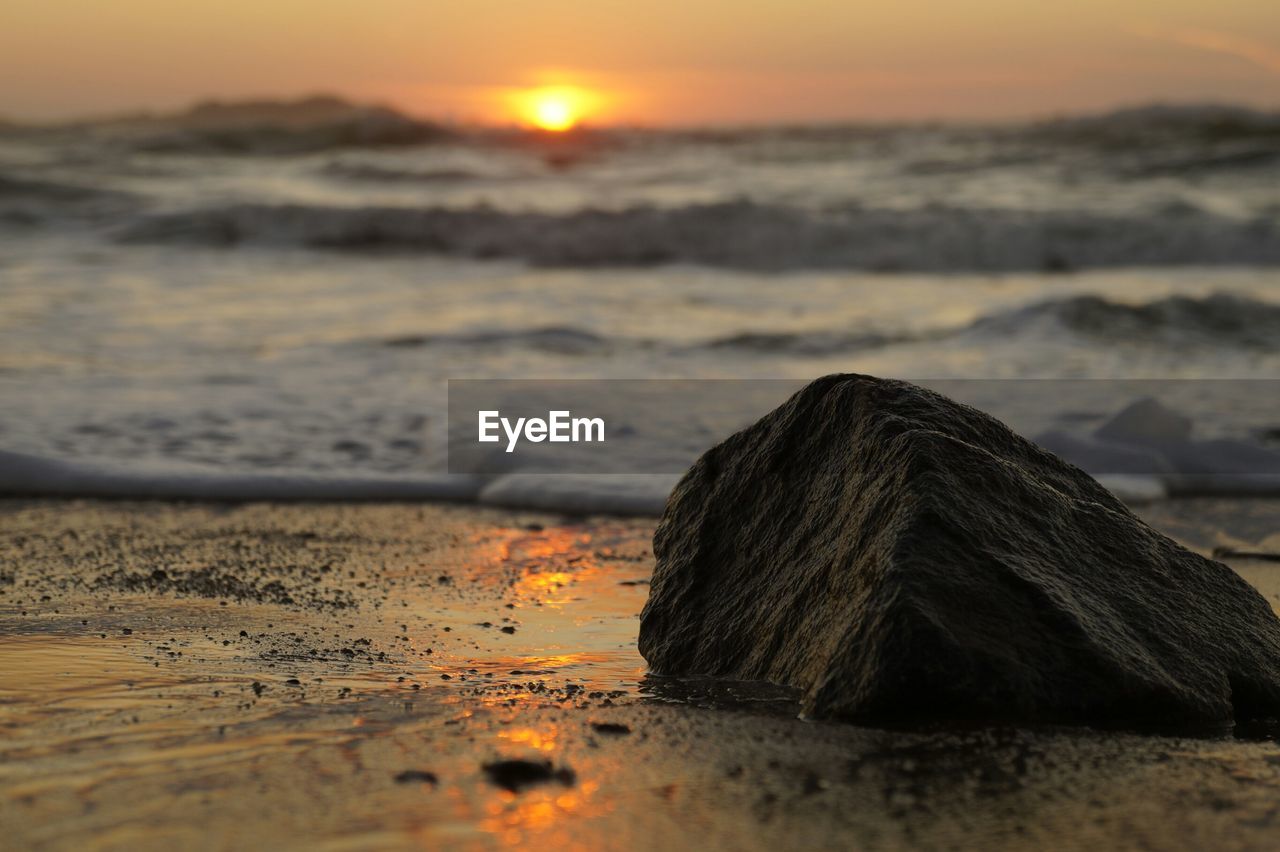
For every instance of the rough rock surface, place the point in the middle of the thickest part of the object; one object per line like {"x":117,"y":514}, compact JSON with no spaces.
{"x":900,"y":556}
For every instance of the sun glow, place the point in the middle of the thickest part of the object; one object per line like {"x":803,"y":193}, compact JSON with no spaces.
{"x":554,"y":108}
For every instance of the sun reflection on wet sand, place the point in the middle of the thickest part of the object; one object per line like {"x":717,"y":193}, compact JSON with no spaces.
{"x":515,"y":818}
{"x":536,"y":564}
{"x":542,"y":584}
{"x":156,"y":720}
{"x":553,"y":620}
{"x":540,"y":739}
{"x":472,"y":653}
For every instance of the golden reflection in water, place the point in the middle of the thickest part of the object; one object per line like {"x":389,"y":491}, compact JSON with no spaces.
{"x":546,"y":581}
{"x":543,"y":739}
{"x":571,"y":603}
{"x":511,"y":545}
{"x":537,"y":565}
{"x":547,"y":813}
{"x":540,"y":677}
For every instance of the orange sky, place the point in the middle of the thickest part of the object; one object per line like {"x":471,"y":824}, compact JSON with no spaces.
{"x":652,"y":61}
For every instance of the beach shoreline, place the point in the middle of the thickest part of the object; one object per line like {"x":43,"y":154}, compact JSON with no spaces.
{"x":340,"y":675}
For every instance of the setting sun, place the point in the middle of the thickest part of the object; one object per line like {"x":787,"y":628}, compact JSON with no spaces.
{"x":554,"y":109}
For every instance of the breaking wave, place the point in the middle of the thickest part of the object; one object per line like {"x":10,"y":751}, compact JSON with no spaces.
{"x":811,"y":343}
{"x":1200,"y":122}
{"x":30,"y":201}
{"x":370,"y":173}
{"x":565,"y":340}
{"x":744,"y":235}
{"x":17,"y":188}
{"x":1217,"y":320}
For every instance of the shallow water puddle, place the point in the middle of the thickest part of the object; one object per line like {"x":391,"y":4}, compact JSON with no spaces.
{"x":540,"y":609}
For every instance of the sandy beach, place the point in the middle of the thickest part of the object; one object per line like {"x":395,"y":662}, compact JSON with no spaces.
{"x":343,"y":676}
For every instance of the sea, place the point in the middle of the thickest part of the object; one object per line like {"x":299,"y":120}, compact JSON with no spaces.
{"x":270,"y":299}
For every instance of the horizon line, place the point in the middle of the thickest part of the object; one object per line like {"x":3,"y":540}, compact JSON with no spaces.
{"x":160,"y":113}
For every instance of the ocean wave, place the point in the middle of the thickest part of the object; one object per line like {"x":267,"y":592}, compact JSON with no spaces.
{"x":1166,"y":140}
{"x":1241,"y":159}
{"x":18,"y":188}
{"x":370,"y":173}
{"x":570,"y":340}
{"x":1204,"y":122}
{"x":565,"y":340}
{"x":811,"y":343}
{"x":373,"y":130}
{"x":744,"y":235}
{"x":27,"y":202}
{"x":1217,"y":320}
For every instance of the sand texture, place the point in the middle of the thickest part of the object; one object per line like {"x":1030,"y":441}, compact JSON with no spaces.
{"x":400,"y":677}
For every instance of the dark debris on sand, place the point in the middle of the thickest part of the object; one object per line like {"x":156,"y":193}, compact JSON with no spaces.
{"x":517,"y":775}
{"x":211,"y":582}
{"x":422,"y":776}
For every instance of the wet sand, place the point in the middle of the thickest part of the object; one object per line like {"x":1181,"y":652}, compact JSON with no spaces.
{"x":339,"y":676}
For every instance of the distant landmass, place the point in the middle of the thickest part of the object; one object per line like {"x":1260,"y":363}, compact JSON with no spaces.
{"x":260,"y":126}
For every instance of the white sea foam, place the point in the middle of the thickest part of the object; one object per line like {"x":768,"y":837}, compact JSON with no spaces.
{"x":1147,"y":444}
{"x":1134,"y":488}
{"x":620,"y":494}
{"x":623,"y":494}
{"x":33,"y":476}
{"x":1141,"y":454}
{"x":28,"y":475}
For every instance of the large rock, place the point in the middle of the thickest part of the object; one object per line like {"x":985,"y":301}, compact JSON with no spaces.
{"x":898,"y":556}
